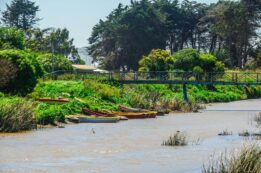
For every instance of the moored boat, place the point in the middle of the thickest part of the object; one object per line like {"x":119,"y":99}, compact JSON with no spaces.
{"x":129,"y":115}
{"x":135,"y":115}
{"x":98,"y":119}
{"x":97,"y":113}
{"x":128,"y":109}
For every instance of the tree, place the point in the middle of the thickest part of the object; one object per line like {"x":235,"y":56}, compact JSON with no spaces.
{"x":191,"y":60}
{"x":127,"y":34}
{"x":51,"y":40}
{"x":11,"y":38}
{"x":21,"y":14}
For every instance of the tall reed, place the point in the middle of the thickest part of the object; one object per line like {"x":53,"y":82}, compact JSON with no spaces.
{"x":16,"y":115}
{"x":247,"y":160}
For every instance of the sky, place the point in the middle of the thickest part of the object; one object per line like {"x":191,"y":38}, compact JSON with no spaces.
{"x":78,"y":16}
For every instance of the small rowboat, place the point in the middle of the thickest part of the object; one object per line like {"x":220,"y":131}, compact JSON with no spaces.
{"x":58,"y":100}
{"x":135,"y":115}
{"x":129,"y":115}
{"x":97,"y":113}
{"x":98,"y":119}
{"x":127,"y":109}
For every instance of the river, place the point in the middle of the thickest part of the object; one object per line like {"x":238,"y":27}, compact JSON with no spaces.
{"x":132,"y":146}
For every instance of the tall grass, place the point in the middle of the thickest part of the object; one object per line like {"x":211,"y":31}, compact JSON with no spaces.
{"x":16,"y":115}
{"x":177,"y":139}
{"x":247,"y":160}
{"x":258,"y":119}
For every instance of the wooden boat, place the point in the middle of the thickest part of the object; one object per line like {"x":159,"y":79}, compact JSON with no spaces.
{"x":135,"y":115}
{"x":127,"y":109}
{"x":97,"y":113}
{"x":58,"y":100}
{"x":129,"y":115}
{"x":98,"y":119}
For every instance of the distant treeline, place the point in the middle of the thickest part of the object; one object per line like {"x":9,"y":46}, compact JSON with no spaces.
{"x":226,"y":29}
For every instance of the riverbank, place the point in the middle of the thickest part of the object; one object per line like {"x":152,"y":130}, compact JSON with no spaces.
{"x":130,"y":146}
{"x":100,"y":95}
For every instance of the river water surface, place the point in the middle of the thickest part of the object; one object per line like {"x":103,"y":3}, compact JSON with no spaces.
{"x":132,"y":146}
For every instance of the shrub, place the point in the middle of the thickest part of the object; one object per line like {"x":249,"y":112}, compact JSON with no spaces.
{"x":246,"y":161}
{"x":157,"y":60}
{"x":16,"y":115}
{"x":7,"y":72}
{"x":186,"y":59}
{"x":28,"y":70}
{"x":52,"y":62}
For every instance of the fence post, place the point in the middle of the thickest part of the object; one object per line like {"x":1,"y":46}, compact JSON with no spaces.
{"x":185,"y":95}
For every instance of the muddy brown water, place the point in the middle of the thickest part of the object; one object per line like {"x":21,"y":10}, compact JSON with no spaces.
{"x":132,"y":146}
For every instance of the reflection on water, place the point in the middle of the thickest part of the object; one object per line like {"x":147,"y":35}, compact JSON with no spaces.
{"x":128,"y":146}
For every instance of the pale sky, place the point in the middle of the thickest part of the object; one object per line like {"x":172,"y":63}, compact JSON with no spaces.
{"x":78,"y":16}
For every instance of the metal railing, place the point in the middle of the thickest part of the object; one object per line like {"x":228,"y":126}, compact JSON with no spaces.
{"x":162,"y":77}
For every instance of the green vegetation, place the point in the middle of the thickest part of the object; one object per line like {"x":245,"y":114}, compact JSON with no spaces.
{"x":183,"y":60}
{"x":16,"y":114}
{"x":178,"y":139}
{"x":11,"y":38}
{"x":27,"y":73}
{"x":52,"y":62}
{"x":247,"y":160}
{"x":224,"y":29}
{"x":100,"y":95}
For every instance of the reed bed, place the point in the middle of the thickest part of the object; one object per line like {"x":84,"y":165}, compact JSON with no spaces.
{"x":177,"y":139}
{"x":247,"y":160}
{"x":16,"y":115}
{"x":257,"y":119}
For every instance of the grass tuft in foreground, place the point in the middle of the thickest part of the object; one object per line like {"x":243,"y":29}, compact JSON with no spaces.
{"x":247,"y":160}
{"x":16,"y":115}
{"x":257,"y":119}
{"x":177,"y":139}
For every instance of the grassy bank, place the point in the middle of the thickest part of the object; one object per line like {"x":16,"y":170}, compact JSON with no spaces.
{"x":99,"y":95}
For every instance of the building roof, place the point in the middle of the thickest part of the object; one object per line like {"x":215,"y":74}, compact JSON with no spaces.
{"x":83,"y":67}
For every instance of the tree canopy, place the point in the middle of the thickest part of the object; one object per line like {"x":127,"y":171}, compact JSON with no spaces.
{"x":189,"y":60}
{"x":227,"y":29}
{"x":21,"y":14}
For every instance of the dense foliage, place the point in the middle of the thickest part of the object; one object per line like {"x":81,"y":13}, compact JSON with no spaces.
{"x":98,"y":95}
{"x":52,"y":62}
{"x":11,"y":38}
{"x":227,"y":29}
{"x":184,"y":60}
{"x":28,"y":71}
{"x":51,"y":40}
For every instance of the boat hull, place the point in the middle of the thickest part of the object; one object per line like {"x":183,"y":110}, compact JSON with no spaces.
{"x":129,"y":115}
{"x":99,"y":119}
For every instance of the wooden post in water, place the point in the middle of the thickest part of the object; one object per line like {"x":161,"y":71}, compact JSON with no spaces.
{"x":185,"y":95}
